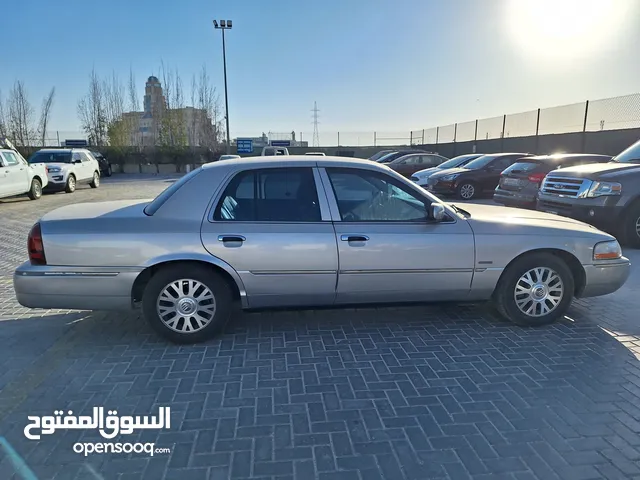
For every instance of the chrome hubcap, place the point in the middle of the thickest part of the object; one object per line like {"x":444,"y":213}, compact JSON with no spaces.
{"x":538,"y":292}
{"x":467,"y":191}
{"x":72,"y":183}
{"x":638,"y":226}
{"x":186,"y":306}
{"x":96,"y":179}
{"x":37,"y":189}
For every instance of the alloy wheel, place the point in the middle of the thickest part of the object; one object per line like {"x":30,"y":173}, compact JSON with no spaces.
{"x":186,"y":305}
{"x":538,"y":292}
{"x":467,"y":190}
{"x":638,"y":226}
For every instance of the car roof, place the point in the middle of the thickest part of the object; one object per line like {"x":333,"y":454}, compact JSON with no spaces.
{"x":562,"y":156}
{"x":299,"y":160}
{"x":65,"y":150}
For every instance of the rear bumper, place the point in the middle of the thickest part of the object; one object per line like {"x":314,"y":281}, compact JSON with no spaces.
{"x":74,"y":288}
{"x":606,"y":278}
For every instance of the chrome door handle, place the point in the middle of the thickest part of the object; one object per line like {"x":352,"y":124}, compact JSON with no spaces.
{"x":231,"y":238}
{"x":354,"y":238}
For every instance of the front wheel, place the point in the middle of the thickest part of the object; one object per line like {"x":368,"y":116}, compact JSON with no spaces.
{"x":536,"y":289}
{"x":71,"y":184}
{"x":187,"y":304}
{"x":35,"y":192}
{"x":95,"y":182}
{"x":631,"y":226}
{"x":467,"y":191}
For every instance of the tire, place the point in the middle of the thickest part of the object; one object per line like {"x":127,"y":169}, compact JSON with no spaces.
{"x":71,"y":184}
{"x":631,"y":226}
{"x":176,"y":331}
{"x":467,"y":191}
{"x":505,"y":292}
{"x":109,"y":172}
{"x":35,"y":192}
{"x":95,"y":183}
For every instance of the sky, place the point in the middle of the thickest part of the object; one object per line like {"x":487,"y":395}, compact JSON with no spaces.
{"x":371,"y":65}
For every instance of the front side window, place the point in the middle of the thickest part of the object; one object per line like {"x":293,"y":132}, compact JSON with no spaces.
{"x":270,"y":195}
{"x":11,"y":159}
{"x":365,"y":196}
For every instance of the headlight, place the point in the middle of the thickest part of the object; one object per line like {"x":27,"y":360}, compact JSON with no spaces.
{"x":53,"y":169}
{"x":448,"y":178}
{"x":607,"y":250}
{"x":599,"y":189}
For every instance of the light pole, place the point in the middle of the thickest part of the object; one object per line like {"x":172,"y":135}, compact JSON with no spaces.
{"x":225,"y":25}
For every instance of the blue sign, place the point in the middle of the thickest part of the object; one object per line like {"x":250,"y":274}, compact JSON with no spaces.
{"x":244,"y":145}
{"x":76,"y":143}
{"x":281,"y":143}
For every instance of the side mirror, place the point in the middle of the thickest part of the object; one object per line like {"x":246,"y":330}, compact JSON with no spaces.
{"x":77,"y":160}
{"x":437,"y":212}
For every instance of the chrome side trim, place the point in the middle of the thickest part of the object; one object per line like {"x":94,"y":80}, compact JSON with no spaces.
{"x":409,"y":271}
{"x":292,"y":272}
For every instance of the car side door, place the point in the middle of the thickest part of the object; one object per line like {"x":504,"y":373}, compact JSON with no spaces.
{"x":273,"y":226}
{"x":490,"y":174}
{"x":88,"y":166}
{"x":16,"y":175}
{"x":388,"y":249}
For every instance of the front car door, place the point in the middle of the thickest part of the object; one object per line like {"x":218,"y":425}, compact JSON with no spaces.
{"x":15,"y":179}
{"x":272,"y":226}
{"x":389,"y":251}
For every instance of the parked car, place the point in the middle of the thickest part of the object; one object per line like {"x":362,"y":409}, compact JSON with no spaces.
{"x":229,"y":157}
{"x":316,"y":154}
{"x":421,"y":176}
{"x":519,"y":183}
{"x":17,"y":177}
{"x":68,"y":167}
{"x":105,"y":166}
{"x":390,"y":157}
{"x":262,"y":232}
{"x":605,"y":195}
{"x":274,"y":151}
{"x":477,"y":177}
{"x":407,"y":165}
{"x":380,"y":154}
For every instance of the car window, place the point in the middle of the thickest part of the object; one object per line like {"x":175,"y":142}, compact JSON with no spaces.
{"x":432,"y":160}
{"x":502,"y":163}
{"x":85,"y":158}
{"x":270,"y":195}
{"x":364,"y":196}
{"x":10,"y":159}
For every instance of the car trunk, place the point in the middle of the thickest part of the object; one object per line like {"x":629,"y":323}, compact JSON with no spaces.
{"x":524,"y":173}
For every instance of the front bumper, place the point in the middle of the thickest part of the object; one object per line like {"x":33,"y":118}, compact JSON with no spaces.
{"x":605,"y":278}
{"x":56,"y":182}
{"x":74,"y":288}
{"x":442,"y":188}
{"x":602,"y":213}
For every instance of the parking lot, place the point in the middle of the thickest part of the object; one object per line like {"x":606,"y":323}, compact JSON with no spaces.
{"x":438,"y":391}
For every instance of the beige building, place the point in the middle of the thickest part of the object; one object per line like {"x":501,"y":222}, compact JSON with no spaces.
{"x":156,"y":125}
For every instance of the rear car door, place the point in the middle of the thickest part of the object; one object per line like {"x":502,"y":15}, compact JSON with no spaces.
{"x":272,"y":226}
{"x":490,"y":174}
{"x":88,"y":167}
{"x":388,"y":250}
{"x":15,"y":179}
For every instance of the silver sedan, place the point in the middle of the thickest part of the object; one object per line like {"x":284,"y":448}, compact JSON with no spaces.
{"x":301,"y":231}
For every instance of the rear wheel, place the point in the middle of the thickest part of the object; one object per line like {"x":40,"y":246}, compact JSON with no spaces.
{"x":187,"y":304}
{"x":631,"y":226}
{"x":95,"y":183}
{"x":71,"y":184}
{"x":536,"y":289}
{"x":109,"y":172}
{"x":35,"y":192}
{"x":467,"y":191}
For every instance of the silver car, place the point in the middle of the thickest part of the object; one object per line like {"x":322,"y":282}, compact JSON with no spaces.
{"x":301,"y":231}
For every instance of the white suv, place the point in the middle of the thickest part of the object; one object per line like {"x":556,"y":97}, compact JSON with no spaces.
{"x":68,"y":167}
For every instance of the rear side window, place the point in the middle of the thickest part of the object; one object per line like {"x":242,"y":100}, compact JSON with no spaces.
{"x":270,"y":195}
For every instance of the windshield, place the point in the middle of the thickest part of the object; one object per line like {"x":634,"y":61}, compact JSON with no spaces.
{"x":479,"y":162}
{"x":457,"y":161}
{"x":386,"y":157}
{"x":629,"y":155}
{"x":50,"y":157}
{"x":380,"y":154}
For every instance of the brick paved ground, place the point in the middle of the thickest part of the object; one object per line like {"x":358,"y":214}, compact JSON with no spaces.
{"x":390,"y":393}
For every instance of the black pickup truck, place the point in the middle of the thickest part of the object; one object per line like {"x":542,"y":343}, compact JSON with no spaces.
{"x":605,"y":195}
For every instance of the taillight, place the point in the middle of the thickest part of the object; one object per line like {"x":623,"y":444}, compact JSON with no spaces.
{"x":537,"y":177}
{"x":35,"y":246}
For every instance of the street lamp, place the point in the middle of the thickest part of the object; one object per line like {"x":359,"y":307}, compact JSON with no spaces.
{"x":225,"y":25}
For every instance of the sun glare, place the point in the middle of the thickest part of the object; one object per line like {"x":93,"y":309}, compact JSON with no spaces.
{"x":565,"y":29}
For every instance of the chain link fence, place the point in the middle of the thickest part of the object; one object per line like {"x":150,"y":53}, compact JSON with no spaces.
{"x":615,"y":113}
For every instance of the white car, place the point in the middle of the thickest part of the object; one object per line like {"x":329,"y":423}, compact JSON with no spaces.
{"x":229,"y":157}
{"x":68,"y":167}
{"x":17,"y":177}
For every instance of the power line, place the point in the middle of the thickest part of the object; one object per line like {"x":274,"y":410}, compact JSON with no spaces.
{"x":316,"y":136}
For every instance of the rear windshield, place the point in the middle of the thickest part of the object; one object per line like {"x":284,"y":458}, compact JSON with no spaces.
{"x":522,"y":167}
{"x":50,"y":157}
{"x":167,"y":192}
